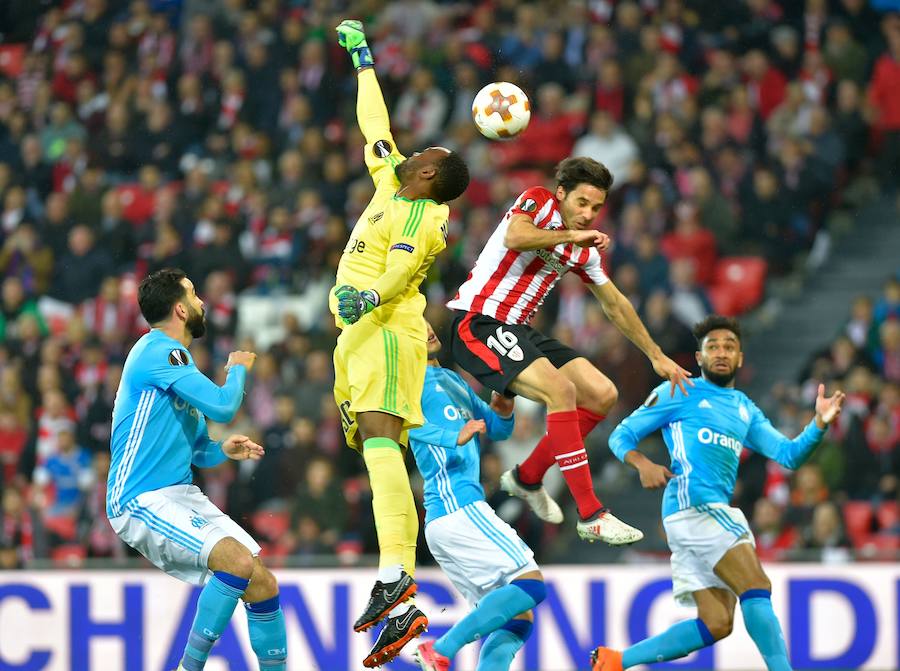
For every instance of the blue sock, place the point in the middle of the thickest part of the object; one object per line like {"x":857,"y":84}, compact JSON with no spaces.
{"x":679,"y":640}
{"x":214,"y":609}
{"x":502,"y":645}
{"x":267,"y":635}
{"x":491,"y":613}
{"x":763,"y":627}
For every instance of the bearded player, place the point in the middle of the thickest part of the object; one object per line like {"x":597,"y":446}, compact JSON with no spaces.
{"x":381,"y":356}
{"x":714,"y":561}
{"x":544,"y":235}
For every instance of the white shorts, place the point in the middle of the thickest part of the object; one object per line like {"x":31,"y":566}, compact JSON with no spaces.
{"x":699,"y":537}
{"x":176,"y":528}
{"x":477,"y":550}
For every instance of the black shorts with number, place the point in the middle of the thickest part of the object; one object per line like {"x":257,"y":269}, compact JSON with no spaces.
{"x":495,"y":353}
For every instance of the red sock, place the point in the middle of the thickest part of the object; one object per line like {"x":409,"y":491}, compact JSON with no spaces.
{"x":533,"y":469}
{"x":587,"y":420}
{"x":563,"y":441}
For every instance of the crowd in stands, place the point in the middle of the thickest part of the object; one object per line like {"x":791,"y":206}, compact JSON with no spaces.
{"x":219,"y":136}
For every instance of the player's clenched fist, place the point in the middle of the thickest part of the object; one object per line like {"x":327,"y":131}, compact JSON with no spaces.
{"x":245,"y":359}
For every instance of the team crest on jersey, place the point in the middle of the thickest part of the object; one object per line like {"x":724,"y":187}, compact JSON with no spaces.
{"x":198,"y":522}
{"x":382,"y":149}
{"x":528,"y":205}
{"x":651,"y":400}
{"x":742,"y":411}
{"x":178,"y":357}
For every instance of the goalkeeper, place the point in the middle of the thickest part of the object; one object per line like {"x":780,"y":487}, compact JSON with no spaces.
{"x":381,"y":356}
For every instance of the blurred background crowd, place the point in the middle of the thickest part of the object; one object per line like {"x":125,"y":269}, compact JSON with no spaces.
{"x":219,"y":136}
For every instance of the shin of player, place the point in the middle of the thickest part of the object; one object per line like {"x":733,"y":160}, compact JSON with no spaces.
{"x":481,"y":554}
{"x":542,"y":237}
{"x":714,"y":561}
{"x":159,"y":430}
{"x":380,"y":355}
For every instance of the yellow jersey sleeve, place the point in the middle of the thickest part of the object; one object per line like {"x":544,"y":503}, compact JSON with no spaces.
{"x":371,"y":113}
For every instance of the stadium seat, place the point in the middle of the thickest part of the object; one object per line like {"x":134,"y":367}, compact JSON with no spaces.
{"x":888,"y":515}
{"x":724,"y":300}
{"x":858,"y":517}
{"x":271,"y":524}
{"x":743,"y":277}
{"x":69,"y":555}
{"x":63,"y":526}
{"x":880,"y":547}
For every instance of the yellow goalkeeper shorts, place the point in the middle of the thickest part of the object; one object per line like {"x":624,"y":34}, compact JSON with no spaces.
{"x":376,"y":369}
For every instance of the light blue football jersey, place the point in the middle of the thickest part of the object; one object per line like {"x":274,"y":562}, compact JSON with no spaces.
{"x":705,"y":433}
{"x":156,"y":434}
{"x":452,"y":472}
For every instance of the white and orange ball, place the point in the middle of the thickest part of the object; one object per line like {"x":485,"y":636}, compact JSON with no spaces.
{"x":501,"y":111}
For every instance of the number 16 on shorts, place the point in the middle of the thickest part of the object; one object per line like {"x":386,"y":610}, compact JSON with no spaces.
{"x":506,"y":344}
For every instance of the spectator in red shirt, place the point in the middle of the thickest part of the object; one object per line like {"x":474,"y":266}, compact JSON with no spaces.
{"x":691,"y":241}
{"x":765,"y":83}
{"x":884,"y":96}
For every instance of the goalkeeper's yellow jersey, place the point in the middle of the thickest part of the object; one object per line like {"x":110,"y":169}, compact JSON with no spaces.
{"x":392,"y":230}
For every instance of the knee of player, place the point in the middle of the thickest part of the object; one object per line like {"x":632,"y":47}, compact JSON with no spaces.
{"x":603,"y":398}
{"x":559,"y":392}
{"x":242,"y":564}
{"x":264,"y":581}
{"x":719,"y":625}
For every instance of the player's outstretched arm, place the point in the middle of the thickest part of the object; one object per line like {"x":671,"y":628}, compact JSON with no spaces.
{"x":523,"y":236}
{"x":621,"y":312}
{"x":371,"y":112}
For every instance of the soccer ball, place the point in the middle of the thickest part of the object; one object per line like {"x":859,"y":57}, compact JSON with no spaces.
{"x":501,"y":111}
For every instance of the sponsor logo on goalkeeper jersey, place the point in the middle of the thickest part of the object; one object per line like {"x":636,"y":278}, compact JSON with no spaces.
{"x":710,"y":437}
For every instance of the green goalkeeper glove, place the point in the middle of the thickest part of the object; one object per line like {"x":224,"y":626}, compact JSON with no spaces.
{"x":353,"y":304}
{"x":352,"y":37}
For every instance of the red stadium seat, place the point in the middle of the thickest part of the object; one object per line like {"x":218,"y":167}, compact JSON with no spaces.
{"x":744,"y":278}
{"x":858,"y":517}
{"x":63,"y":526}
{"x":888,"y":515}
{"x":272,"y":524}
{"x":880,"y":547}
{"x":69,"y":555}
{"x":724,"y":300}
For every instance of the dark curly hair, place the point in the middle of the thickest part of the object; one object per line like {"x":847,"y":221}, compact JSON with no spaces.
{"x":713,"y":322}
{"x":451,"y":179}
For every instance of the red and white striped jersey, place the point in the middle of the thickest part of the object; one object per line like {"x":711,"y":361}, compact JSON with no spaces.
{"x":510,"y":286}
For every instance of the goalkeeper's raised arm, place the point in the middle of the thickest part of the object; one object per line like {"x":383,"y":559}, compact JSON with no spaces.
{"x":371,"y":112}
